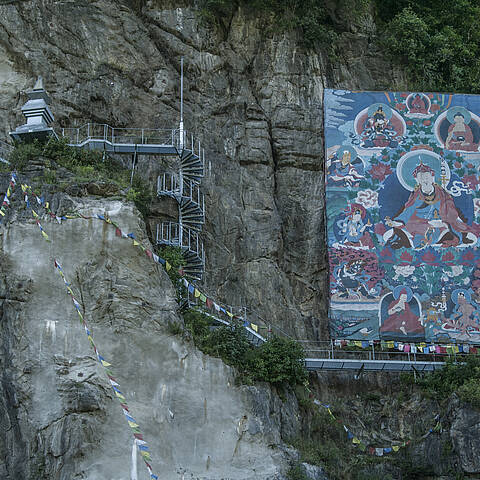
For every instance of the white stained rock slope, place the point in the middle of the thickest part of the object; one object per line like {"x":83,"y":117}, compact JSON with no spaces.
{"x":58,"y":416}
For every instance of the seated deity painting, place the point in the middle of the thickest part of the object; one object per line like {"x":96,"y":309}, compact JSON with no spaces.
{"x":418,"y":106}
{"x":458,"y":129}
{"x":400,"y":316}
{"x":345,"y":167}
{"x":429,"y":216}
{"x":402,"y":179}
{"x":379,"y":126}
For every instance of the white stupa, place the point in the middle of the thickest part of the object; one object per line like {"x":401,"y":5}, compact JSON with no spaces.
{"x":38,"y":116}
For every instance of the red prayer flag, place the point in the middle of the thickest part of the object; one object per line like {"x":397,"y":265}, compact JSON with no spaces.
{"x":148,"y":253}
{"x":209,"y":303}
{"x":118,"y":232}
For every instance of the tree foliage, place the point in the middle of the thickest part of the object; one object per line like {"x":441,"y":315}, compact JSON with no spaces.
{"x":437,"y":42}
{"x":278,"y":361}
{"x":462,"y":378}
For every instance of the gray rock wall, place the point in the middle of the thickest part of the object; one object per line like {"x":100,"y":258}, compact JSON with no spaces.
{"x":254,"y":98}
{"x":58,"y":417}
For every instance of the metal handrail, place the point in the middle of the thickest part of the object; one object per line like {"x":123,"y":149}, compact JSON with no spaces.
{"x":106,"y":133}
{"x":174,"y":234}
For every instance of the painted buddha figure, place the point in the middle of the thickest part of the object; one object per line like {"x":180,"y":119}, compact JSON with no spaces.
{"x":460,"y":136}
{"x":418,"y":105}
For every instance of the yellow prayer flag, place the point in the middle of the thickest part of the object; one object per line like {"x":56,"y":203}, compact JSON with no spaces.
{"x":196,"y":293}
{"x":45,"y":236}
{"x":2,"y":213}
{"x":69,"y":290}
{"x":132,"y":424}
{"x":70,"y":216}
{"x":120,"y":396}
{"x":358,"y":343}
{"x":254,"y":327}
{"x":395,"y":448}
{"x":46,"y":205}
{"x":106,"y":364}
{"x":108,"y":220}
{"x":135,"y":243}
{"x":167,"y":266}
{"x":356,"y":440}
{"x":145,"y":455}
{"x":34,"y":213}
{"x":9,"y":192}
{"x":24,"y":188}
{"x":230,"y":314}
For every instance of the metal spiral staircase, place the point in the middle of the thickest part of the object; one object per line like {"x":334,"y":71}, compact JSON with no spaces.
{"x":184,"y":187}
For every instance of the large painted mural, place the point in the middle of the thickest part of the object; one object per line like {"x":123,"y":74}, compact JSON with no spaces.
{"x":403,"y":215}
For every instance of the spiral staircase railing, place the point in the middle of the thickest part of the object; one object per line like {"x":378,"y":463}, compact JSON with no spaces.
{"x":184,"y":187}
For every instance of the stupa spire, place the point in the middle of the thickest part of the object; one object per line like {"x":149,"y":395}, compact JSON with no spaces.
{"x":37,"y":114}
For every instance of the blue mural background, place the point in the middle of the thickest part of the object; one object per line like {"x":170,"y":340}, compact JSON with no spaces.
{"x":403,"y":213}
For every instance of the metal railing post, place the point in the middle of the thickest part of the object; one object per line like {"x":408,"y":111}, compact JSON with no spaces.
{"x":88,"y":131}
{"x":78,"y":134}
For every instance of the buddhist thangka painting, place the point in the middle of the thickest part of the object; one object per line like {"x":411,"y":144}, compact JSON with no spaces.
{"x":403,"y":215}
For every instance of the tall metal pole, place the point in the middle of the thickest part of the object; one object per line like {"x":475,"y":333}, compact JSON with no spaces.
{"x":181,"y":105}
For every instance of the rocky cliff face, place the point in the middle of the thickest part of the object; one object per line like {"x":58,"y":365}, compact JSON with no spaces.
{"x":253,"y":98}
{"x":58,"y":416}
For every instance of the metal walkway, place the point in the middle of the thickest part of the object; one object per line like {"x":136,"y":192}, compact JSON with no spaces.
{"x":360,"y":365}
{"x":183,"y":187}
{"x":325,"y":358}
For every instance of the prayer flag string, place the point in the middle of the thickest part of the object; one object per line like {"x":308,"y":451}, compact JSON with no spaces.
{"x":140,"y":442}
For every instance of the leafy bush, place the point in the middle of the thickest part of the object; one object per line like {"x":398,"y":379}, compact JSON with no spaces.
{"x":278,"y":361}
{"x":197,"y":324}
{"x":174,"y":256}
{"x":438,"y":43}
{"x":23,"y":154}
{"x":86,"y":165}
{"x":462,"y":378}
{"x":230,"y":343}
